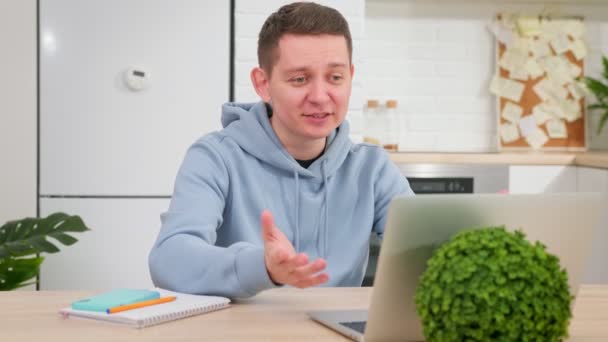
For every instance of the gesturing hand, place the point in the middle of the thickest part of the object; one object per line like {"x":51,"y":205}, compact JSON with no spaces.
{"x":283,"y":264}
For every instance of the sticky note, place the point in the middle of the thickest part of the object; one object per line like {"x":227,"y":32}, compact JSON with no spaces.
{"x":533,"y":68}
{"x":571,"y":110}
{"x":512,"y":112}
{"x":509,"y":132}
{"x":579,"y":49}
{"x":527,"y":125}
{"x":549,"y":89}
{"x":576,"y":90}
{"x":520,"y":74}
{"x":501,"y":33}
{"x":540,"y":114}
{"x":540,"y":48}
{"x":513,"y":58}
{"x":574,"y":28}
{"x":537,"y":138}
{"x":575,"y":70}
{"x":529,"y":26}
{"x":506,"y":88}
{"x":557,"y":129}
{"x":558,"y":69}
{"x":560,"y":43}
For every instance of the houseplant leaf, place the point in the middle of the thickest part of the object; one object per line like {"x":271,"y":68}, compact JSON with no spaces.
{"x":28,"y":237}
{"x":15,"y":272}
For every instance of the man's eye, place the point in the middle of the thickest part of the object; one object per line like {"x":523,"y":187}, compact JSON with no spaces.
{"x":298,"y":80}
{"x":336,"y":77}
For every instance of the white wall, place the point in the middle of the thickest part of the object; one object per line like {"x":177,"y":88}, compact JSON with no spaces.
{"x":249,"y":17}
{"x":17,"y":109}
{"x":437,"y":58}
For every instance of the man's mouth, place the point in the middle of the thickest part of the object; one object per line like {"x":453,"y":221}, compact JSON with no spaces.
{"x":317,"y":115}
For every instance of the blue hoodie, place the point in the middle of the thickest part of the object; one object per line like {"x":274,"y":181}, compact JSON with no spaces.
{"x":210,"y":241}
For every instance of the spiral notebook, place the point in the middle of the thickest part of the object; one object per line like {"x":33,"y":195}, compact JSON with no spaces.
{"x":185,"y":305}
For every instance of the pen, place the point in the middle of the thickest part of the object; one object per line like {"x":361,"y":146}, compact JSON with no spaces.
{"x":140,"y":304}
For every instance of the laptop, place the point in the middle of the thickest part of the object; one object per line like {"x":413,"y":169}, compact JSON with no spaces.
{"x":417,"y":226}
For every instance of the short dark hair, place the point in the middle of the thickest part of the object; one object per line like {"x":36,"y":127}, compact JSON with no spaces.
{"x":304,"y":18}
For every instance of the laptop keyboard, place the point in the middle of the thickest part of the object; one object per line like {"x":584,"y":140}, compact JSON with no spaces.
{"x":358,"y":326}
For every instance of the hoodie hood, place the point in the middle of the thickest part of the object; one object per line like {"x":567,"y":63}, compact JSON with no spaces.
{"x":248,"y":125}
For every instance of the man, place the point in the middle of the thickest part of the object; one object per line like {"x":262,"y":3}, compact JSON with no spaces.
{"x":280,"y":196}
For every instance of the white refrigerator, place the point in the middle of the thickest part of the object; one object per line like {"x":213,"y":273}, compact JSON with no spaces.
{"x":126,"y":86}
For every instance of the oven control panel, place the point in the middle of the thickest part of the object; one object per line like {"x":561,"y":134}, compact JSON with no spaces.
{"x":450,"y":185}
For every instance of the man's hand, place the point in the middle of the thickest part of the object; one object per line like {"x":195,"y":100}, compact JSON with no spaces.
{"x":283,"y":264}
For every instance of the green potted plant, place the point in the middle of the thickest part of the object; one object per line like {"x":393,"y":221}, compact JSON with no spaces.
{"x":599,"y":88}
{"x":21,"y":242}
{"x":490,"y":284}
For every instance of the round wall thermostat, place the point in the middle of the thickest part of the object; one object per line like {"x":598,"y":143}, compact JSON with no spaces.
{"x":136,"y":79}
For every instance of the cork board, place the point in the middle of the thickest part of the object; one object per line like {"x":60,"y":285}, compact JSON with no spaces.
{"x":576,"y":130}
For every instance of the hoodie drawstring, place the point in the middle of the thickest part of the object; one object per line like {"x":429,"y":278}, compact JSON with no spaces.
{"x":326,"y":229}
{"x":297,"y":213}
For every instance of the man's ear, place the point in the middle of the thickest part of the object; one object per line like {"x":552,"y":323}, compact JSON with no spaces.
{"x":260,"y":82}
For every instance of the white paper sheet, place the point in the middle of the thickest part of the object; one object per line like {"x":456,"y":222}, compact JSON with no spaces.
{"x":529,"y":26}
{"x":541,"y":115}
{"x":513,"y":58}
{"x":572,"y":110}
{"x":576,"y":90}
{"x":540,"y":48}
{"x":579,"y":49}
{"x":533,"y":68}
{"x":537,"y":138}
{"x":512,"y":112}
{"x":509,"y":132}
{"x":501,"y":33}
{"x":519,"y":74}
{"x":557,"y":129}
{"x":560,"y":43}
{"x":575,"y":28}
{"x":527,"y":125}
{"x":506,"y":88}
{"x":547,"y":89}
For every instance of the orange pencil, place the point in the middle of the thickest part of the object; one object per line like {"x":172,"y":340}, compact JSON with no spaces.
{"x":140,"y":304}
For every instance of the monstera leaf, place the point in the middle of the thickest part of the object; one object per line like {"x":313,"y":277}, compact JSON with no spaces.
{"x":29,"y":237}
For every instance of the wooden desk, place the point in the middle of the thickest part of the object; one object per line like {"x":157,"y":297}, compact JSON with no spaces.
{"x":276,"y":315}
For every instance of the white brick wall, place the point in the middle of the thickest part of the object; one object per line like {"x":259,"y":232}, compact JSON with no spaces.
{"x":437,"y":57}
{"x":249,"y":17}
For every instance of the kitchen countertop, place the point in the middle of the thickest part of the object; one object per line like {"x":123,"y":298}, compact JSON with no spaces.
{"x":597,"y":159}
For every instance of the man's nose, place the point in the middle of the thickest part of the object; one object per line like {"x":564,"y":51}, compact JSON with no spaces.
{"x":318,"y":92}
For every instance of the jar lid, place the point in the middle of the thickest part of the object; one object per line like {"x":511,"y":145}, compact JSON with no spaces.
{"x":373,"y":103}
{"x":391,"y":104}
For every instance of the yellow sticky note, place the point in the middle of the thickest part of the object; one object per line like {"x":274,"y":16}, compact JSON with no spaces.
{"x":509,"y":132}
{"x":540,"y":114}
{"x":560,"y":43}
{"x":529,"y":26}
{"x":537,"y":138}
{"x":512,"y":112}
{"x":557,"y":129}
{"x":579,"y":49}
{"x":533,"y":68}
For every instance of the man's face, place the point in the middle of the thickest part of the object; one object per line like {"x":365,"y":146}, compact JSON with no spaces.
{"x":309,"y":86}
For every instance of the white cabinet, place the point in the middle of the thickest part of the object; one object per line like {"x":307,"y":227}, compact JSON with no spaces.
{"x":99,"y":137}
{"x":17,"y":109}
{"x":532,"y":179}
{"x":114,"y":253}
{"x":596,"y":180}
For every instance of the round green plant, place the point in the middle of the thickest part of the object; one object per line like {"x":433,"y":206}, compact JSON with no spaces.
{"x":490,"y":284}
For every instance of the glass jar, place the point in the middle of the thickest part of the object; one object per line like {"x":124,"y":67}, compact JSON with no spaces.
{"x":391,"y":132}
